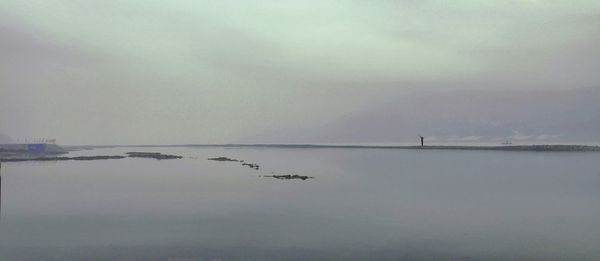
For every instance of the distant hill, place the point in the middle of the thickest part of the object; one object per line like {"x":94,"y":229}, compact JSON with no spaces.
{"x":466,"y":116}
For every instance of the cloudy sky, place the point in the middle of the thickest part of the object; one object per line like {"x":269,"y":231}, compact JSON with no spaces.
{"x":165,"y":72}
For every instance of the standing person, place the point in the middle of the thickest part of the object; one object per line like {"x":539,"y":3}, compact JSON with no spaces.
{"x":421,"y":140}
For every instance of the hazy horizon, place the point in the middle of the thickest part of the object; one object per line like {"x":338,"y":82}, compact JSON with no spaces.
{"x":451,"y":118}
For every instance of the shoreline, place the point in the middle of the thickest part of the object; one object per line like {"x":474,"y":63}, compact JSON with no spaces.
{"x":523,"y":148}
{"x":150,"y":155}
{"x":537,"y":148}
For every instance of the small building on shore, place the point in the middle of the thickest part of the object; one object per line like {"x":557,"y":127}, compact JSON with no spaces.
{"x":32,"y":148}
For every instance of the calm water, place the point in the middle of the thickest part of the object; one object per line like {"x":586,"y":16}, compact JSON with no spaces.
{"x":363,"y":204}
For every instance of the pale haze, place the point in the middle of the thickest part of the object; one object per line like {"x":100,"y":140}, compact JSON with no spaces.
{"x":174,"y":72}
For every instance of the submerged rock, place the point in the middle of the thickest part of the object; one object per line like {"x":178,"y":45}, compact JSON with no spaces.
{"x":290,"y":177}
{"x":152,"y":155}
{"x":223,"y":159}
{"x":251,"y":165}
{"x":257,"y":167}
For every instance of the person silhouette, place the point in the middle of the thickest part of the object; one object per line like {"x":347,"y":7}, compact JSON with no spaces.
{"x":421,"y":140}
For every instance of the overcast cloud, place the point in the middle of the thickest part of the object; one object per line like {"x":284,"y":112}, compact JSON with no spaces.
{"x":166,"y":72}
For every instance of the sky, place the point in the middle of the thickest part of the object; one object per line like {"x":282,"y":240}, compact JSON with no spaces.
{"x":173,"y":72}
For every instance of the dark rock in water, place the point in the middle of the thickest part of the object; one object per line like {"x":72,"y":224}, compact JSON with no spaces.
{"x":290,"y":177}
{"x":251,"y":165}
{"x":223,"y":159}
{"x":97,"y":157}
{"x":62,"y":158}
{"x":152,"y":155}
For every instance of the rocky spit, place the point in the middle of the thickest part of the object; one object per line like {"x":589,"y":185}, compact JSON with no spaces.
{"x":226,"y":159}
{"x":251,"y":165}
{"x":257,"y":167}
{"x":283,"y":177}
{"x":223,"y":159}
{"x":103,"y":157}
{"x":152,"y":155}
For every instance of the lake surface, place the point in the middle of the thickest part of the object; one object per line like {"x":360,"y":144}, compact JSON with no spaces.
{"x":363,"y":204}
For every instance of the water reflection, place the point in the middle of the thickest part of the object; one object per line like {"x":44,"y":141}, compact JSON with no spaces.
{"x":365,"y":204}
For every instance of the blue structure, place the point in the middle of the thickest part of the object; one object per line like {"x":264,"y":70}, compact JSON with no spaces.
{"x":36,"y":148}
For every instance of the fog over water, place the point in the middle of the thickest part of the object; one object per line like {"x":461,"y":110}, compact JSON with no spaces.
{"x":181,"y":72}
{"x":362,"y":204}
{"x":232,"y":73}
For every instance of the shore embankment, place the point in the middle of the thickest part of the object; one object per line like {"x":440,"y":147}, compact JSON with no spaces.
{"x":21,"y":155}
{"x":426,"y":147}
